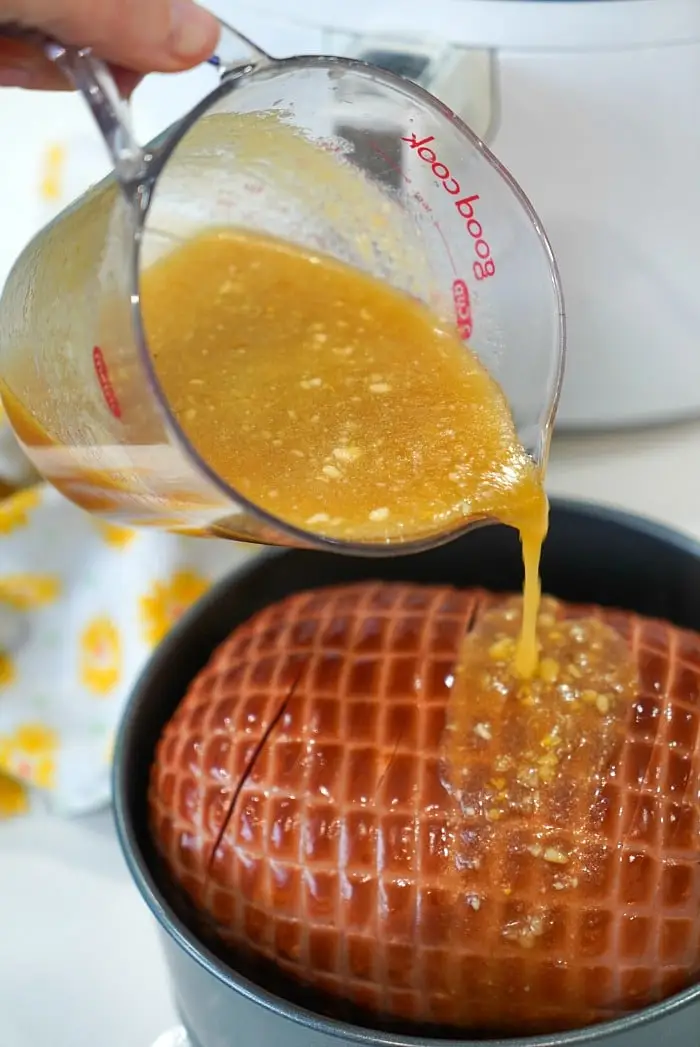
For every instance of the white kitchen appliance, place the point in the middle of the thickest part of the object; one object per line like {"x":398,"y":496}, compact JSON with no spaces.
{"x":594,"y":105}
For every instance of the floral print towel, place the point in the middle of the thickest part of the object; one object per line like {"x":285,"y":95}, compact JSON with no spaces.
{"x":82,"y":605}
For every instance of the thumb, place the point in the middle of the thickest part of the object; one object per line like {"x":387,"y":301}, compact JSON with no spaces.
{"x":143,"y":35}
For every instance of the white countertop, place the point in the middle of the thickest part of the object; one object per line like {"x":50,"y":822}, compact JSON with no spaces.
{"x":73,"y":924}
{"x":655,"y":472}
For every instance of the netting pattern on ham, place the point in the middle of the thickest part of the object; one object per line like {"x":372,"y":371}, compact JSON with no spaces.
{"x":297,"y":798}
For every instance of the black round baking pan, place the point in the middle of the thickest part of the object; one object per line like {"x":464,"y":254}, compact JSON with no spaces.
{"x":593,"y":554}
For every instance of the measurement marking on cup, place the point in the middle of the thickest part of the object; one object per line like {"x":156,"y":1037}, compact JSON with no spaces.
{"x":389,"y":162}
{"x":420,"y":199}
{"x":102,"y":372}
{"x":448,"y":249}
{"x":463,"y":309}
{"x":485,"y":266}
{"x":464,"y":318}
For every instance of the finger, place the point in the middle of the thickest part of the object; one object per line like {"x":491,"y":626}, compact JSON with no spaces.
{"x":40,"y":79}
{"x":23,"y":65}
{"x":143,"y":35}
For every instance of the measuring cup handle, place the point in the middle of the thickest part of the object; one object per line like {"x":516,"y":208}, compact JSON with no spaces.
{"x":92,"y":77}
{"x":97,"y":85}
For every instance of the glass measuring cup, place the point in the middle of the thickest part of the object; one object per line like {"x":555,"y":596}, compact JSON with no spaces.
{"x":331,"y":154}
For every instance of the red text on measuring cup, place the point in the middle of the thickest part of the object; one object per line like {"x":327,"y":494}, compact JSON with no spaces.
{"x":484,"y":266}
{"x":110,"y":397}
{"x":463,"y":309}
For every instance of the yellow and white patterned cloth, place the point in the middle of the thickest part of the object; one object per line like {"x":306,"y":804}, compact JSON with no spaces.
{"x":82,"y":605}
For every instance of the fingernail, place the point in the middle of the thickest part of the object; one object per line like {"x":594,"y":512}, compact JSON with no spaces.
{"x":194,"y":30}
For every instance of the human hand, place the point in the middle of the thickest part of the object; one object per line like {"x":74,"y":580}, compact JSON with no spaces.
{"x":134,"y":36}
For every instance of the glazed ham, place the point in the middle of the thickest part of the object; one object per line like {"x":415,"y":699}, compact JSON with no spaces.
{"x":299,"y":798}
